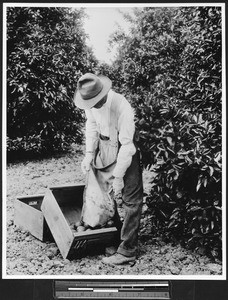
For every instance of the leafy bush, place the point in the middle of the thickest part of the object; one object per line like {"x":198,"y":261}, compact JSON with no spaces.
{"x":46,"y":55}
{"x":171,"y":72}
{"x":186,"y":194}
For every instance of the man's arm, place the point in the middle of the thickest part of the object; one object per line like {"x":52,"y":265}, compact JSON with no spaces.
{"x":91,"y":138}
{"x":91,"y":134}
{"x":126,"y":128}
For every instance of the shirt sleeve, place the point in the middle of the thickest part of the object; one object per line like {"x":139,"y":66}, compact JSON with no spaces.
{"x":91,"y":132}
{"x":126,"y":128}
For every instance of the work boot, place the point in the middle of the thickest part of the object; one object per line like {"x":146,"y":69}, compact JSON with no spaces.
{"x":118,"y":259}
{"x":111,"y":250}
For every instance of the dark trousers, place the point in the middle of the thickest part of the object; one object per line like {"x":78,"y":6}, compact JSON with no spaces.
{"x":132,"y":204}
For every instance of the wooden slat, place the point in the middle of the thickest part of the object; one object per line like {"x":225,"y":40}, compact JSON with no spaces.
{"x":28,"y":218}
{"x":66,"y":186}
{"x":94,"y":233}
{"x":30,"y":197}
{"x":57,"y":223}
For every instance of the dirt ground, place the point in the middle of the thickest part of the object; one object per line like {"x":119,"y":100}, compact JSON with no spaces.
{"x":26,"y":255}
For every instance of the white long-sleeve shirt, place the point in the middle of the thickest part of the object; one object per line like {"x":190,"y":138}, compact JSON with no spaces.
{"x":98,"y":122}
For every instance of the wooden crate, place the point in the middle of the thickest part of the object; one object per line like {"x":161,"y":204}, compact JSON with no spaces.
{"x":61,"y":208}
{"x":28,"y":216}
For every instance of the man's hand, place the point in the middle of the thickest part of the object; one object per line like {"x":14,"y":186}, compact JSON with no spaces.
{"x":118,"y":185}
{"x":86,"y":163}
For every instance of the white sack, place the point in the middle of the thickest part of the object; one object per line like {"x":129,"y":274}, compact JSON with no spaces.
{"x":98,"y":207}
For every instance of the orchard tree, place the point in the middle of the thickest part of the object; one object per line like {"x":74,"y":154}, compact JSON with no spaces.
{"x":170,"y":66}
{"x":46,"y":54}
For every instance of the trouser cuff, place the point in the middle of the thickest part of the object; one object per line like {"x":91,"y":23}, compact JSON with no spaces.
{"x":128,"y":253}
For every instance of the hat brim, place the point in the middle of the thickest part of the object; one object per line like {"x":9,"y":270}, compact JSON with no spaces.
{"x":87,"y":104}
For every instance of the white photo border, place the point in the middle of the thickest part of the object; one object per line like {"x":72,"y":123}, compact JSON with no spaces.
{"x":4,"y":165}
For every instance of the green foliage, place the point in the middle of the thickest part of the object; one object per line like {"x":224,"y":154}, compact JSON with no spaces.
{"x":170,"y":68}
{"x":186,"y":194}
{"x":46,"y":54}
{"x":112,"y":72}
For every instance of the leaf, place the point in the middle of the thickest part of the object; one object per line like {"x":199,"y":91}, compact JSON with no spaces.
{"x":205,"y":182}
{"x":170,"y":140}
{"x":20,"y":89}
{"x":195,"y":208}
{"x":171,"y":150}
{"x":198,"y":184}
{"x":176,"y":175}
{"x":212,"y":225}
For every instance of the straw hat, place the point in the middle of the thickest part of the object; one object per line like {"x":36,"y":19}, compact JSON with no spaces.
{"x":91,"y":89}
